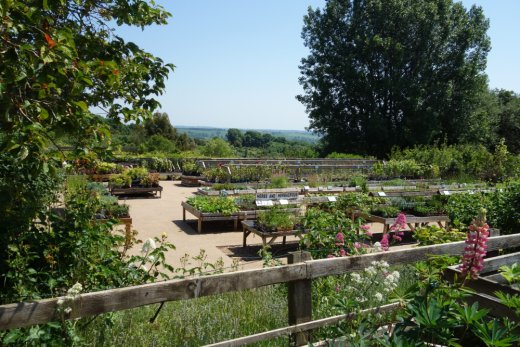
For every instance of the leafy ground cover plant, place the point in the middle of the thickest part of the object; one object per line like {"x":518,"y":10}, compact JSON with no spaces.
{"x":279,"y":181}
{"x":432,"y":235}
{"x":276,"y":219}
{"x":224,"y":205}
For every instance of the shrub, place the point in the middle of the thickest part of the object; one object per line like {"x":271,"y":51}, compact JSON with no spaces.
{"x":120,"y":181}
{"x":279,"y":181}
{"x":276,"y":219}
{"x":504,"y":209}
{"x":330,"y":234}
{"x":432,"y":235}
{"x":464,"y":207}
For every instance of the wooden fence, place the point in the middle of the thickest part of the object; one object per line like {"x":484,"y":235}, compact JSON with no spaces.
{"x":298,"y":277}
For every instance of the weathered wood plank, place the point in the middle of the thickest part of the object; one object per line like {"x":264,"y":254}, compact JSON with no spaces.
{"x":242,"y":341}
{"x":338,"y":266}
{"x":38,"y":312}
{"x":299,"y":299}
{"x":43,"y":311}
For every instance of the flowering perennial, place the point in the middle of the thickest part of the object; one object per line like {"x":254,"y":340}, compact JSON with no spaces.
{"x":472,"y":261}
{"x":375,"y":275}
{"x":398,"y":226}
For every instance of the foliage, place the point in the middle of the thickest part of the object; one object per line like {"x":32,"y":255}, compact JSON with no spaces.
{"x":104,"y":168}
{"x":190,"y":168}
{"x":385,"y":211}
{"x":433,"y":235}
{"x":329,"y":234}
{"x":361,"y":91}
{"x":194,"y":322}
{"x":206,"y":204}
{"x":464,"y":207}
{"x":279,"y":181}
{"x":238,"y":173}
{"x":158,"y":143}
{"x":465,"y":161}
{"x":435,"y":313}
{"x":158,"y":164}
{"x":356,"y":201}
{"x":336,"y":155}
{"x":504,"y":209}
{"x":407,"y":168}
{"x":62,"y":58}
{"x":511,"y":274}
{"x":276,"y":219}
{"x":120,"y":181}
{"x":217,"y":148}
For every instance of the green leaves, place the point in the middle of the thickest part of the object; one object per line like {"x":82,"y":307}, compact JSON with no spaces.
{"x":392,"y":73}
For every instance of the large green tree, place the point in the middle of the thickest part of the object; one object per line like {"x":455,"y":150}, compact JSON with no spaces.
{"x":62,"y":59}
{"x":59,"y":61}
{"x":382,"y":73}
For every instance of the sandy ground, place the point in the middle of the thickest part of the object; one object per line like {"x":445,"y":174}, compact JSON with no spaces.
{"x":153,"y":216}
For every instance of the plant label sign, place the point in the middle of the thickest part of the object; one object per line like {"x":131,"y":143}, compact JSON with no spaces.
{"x":381,"y":193}
{"x":331,"y":198}
{"x":284,"y":202}
{"x":264,"y":203}
{"x":277,"y":196}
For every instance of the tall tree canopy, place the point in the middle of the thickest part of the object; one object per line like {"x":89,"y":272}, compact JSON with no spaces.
{"x":392,"y":72}
{"x":61,"y":59}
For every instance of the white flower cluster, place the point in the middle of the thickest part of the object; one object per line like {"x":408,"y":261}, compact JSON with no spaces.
{"x":391,"y":281}
{"x":148,"y":246}
{"x":72,"y":293}
{"x":374,"y":276}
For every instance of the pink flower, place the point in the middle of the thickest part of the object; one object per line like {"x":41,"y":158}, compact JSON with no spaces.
{"x":340,"y":239}
{"x":385,"y":243}
{"x":330,"y":256}
{"x":357,"y":245}
{"x":472,"y":261}
{"x":338,"y":289}
{"x":400,"y":222}
{"x":365,"y":227}
{"x":342,"y":253}
{"x":368,"y":233}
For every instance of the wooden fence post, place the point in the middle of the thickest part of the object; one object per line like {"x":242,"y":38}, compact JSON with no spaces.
{"x":300,"y":300}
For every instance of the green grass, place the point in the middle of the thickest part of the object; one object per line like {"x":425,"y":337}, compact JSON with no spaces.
{"x":222,"y":317}
{"x":194,"y":322}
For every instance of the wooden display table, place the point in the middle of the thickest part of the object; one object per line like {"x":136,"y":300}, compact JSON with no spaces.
{"x":267,"y":237}
{"x":203,"y":216}
{"x":137,"y":191}
{"x":412,"y":221}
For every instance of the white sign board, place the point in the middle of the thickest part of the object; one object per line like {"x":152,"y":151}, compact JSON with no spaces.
{"x":277,"y":196}
{"x":381,"y":193}
{"x":331,"y":198}
{"x":264,"y":203}
{"x":284,"y":202}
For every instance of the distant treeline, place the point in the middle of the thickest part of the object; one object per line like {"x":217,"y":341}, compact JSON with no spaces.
{"x":209,"y":133}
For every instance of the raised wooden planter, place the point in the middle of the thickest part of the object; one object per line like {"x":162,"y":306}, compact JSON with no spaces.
{"x":267,"y":237}
{"x":235,"y":217}
{"x":202,"y":216}
{"x":137,"y":191}
{"x":488,"y":283}
{"x":190,"y":181}
{"x":412,"y":221}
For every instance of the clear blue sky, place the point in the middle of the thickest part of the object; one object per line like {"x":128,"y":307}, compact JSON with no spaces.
{"x":237,"y":60}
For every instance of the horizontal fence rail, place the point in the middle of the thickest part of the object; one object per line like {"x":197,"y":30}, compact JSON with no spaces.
{"x":25,"y":314}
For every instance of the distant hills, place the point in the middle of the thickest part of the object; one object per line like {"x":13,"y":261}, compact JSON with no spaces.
{"x":210,"y":132}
